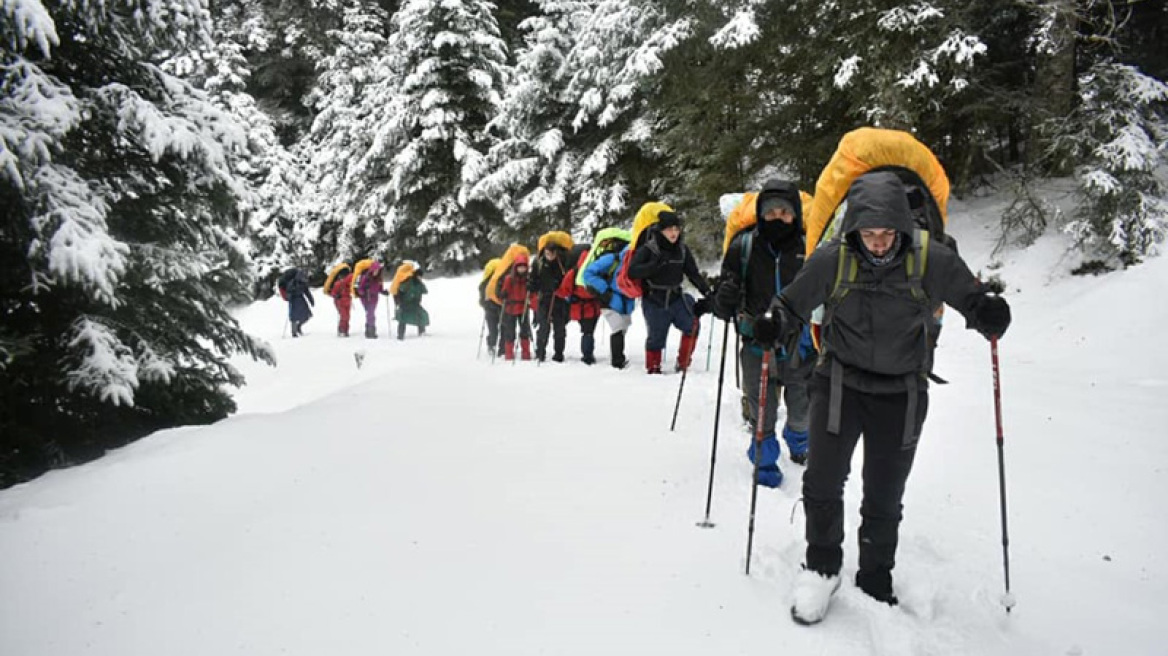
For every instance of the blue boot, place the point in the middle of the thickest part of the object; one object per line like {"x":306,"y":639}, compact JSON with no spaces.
{"x":796,"y":445}
{"x":768,"y":467}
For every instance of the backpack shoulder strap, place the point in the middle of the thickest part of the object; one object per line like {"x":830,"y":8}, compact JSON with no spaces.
{"x":747,"y":245}
{"x":915,"y":264}
{"x":846,"y":270}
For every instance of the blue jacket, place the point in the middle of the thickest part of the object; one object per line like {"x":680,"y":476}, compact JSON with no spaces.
{"x":600,"y":276}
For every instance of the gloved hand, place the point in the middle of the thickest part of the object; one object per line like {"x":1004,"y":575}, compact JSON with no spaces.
{"x":702,"y":307}
{"x":605,"y":298}
{"x":726,"y":298}
{"x":768,"y":328}
{"x":993,"y":316}
{"x":384,"y":293}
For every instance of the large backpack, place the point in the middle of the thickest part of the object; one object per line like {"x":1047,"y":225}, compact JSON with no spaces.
{"x":501,"y":269}
{"x":642,"y":233}
{"x":358,"y":271}
{"x":618,"y":234}
{"x":336,"y":274}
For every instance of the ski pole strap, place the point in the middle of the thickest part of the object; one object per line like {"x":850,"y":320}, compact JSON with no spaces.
{"x":835,"y":402}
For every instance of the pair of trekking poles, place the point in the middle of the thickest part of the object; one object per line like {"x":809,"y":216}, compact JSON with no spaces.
{"x":1008,"y":600}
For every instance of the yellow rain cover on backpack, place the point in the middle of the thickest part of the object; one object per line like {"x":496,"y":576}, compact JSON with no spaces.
{"x":745,"y":215}
{"x":513,"y":251}
{"x":490,"y":268}
{"x":860,"y":151}
{"x":333,"y":274}
{"x":556,"y":237}
{"x":647,"y":216}
{"x":593,"y":253}
{"x":358,"y":270}
{"x":403,"y":272}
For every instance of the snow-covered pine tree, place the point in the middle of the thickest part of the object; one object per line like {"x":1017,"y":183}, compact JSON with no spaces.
{"x":346,"y":94}
{"x":1118,"y":137}
{"x":444,"y":67}
{"x":577,"y":147}
{"x":119,"y":210}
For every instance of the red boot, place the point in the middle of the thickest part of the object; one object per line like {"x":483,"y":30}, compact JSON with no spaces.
{"x":509,"y":350}
{"x":526,"y":344}
{"x":685,"y":351}
{"x":653,"y":361}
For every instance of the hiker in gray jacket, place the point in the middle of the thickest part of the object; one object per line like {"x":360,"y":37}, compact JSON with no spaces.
{"x":879,"y":284}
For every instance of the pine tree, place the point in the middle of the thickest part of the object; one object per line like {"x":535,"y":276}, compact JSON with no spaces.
{"x":120,"y":211}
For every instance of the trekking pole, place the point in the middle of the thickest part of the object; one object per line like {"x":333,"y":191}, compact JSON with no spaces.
{"x":762,"y":394}
{"x":680,"y":387}
{"x":706,"y":523}
{"x":498,"y":331}
{"x":482,"y":331}
{"x":1007,"y":599}
{"x":710,"y":342}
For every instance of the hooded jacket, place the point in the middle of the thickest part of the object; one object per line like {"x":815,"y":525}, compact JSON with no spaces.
{"x":662,"y":266}
{"x":776,"y":256}
{"x":878,"y":331}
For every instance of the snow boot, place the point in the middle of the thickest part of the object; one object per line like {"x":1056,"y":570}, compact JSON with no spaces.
{"x":685,"y":351}
{"x":509,"y":350}
{"x":877,"y":584}
{"x":653,"y":361}
{"x":558,"y":357}
{"x":370,"y":332}
{"x":616,"y":347}
{"x":526,"y":344}
{"x":769,"y":474}
{"x":587,"y":344}
{"x":812,"y":595}
{"x":401,"y":331}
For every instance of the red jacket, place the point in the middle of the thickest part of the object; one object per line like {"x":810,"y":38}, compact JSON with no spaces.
{"x":513,"y":292}
{"x":584,"y":304}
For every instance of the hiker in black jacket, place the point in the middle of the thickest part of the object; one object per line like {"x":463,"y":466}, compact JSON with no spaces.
{"x":661,"y":263}
{"x":776,"y":252}
{"x":551,"y":314}
{"x":879,"y":284}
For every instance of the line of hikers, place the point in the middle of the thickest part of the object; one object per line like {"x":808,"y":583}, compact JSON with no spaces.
{"x":364,"y":281}
{"x":840,"y":310}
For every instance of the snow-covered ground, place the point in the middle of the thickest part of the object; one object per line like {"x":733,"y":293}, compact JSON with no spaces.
{"x":435,"y":503}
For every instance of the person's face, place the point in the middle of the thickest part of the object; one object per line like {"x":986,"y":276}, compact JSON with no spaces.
{"x":672,"y":233}
{"x":779,"y":214}
{"x":878,"y":240}
{"x":549,"y":254}
{"x":521,"y":270}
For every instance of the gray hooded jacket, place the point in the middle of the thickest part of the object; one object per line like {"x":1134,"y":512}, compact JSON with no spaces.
{"x":878,"y":332}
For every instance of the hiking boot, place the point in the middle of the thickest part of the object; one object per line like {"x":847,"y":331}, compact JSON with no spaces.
{"x":877,"y":584}
{"x":588,"y":359}
{"x":558,"y":357}
{"x":799,"y":458}
{"x":812,"y":595}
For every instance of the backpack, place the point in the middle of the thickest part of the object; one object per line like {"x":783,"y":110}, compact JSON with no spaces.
{"x":335,"y":275}
{"x":359,"y":274}
{"x":619,"y":234}
{"x":292,"y":283}
{"x":642,"y":234}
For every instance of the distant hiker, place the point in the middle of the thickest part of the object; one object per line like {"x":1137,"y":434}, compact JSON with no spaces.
{"x":293,"y":286}
{"x":599,"y":276}
{"x":369,"y":288}
{"x":547,"y":272}
{"x":339,"y":285}
{"x":512,"y":289}
{"x":761,"y":259}
{"x":583,"y":306}
{"x":661,"y":263}
{"x":879,"y":283}
{"x":407,"y":291}
{"x":491,"y":309}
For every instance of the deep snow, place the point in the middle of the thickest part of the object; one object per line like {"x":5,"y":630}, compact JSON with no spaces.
{"x":432,"y":503}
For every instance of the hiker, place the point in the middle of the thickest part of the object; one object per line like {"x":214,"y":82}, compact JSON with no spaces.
{"x":293,"y":286}
{"x":339,"y":285}
{"x":547,"y":272}
{"x":407,"y":291}
{"x":512,"y":290}
{"x":879,"y":283}
{"x":583,"y":306}
{"x":491,"y":309}
{"x":599,"y":276}
{"x":661,"y":263}
{"x":760,"y":261}
{"x":370,"y":290}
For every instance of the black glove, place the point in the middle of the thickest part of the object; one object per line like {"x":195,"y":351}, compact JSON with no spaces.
{"x":768,"y":328}
{"x":384,"y":293}
{"x":702,"y":307}
{"x":993,"y":316}
{"x":605,"y":298}
{"x":726,"y":299}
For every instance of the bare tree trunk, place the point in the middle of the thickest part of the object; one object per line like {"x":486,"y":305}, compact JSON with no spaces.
{"x":1054,"y":86}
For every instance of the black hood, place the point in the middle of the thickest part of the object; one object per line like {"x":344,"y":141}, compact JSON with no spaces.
{"x":878,"y":200}
{"x":775,"y":232}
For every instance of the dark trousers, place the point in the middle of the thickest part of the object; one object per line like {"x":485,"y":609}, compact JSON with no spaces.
{"x":511,"y":322}
{"x":492,"y":312}
{"x":887,"y":463}
{"x":557,"y":308}
{"x":659,"y":318}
